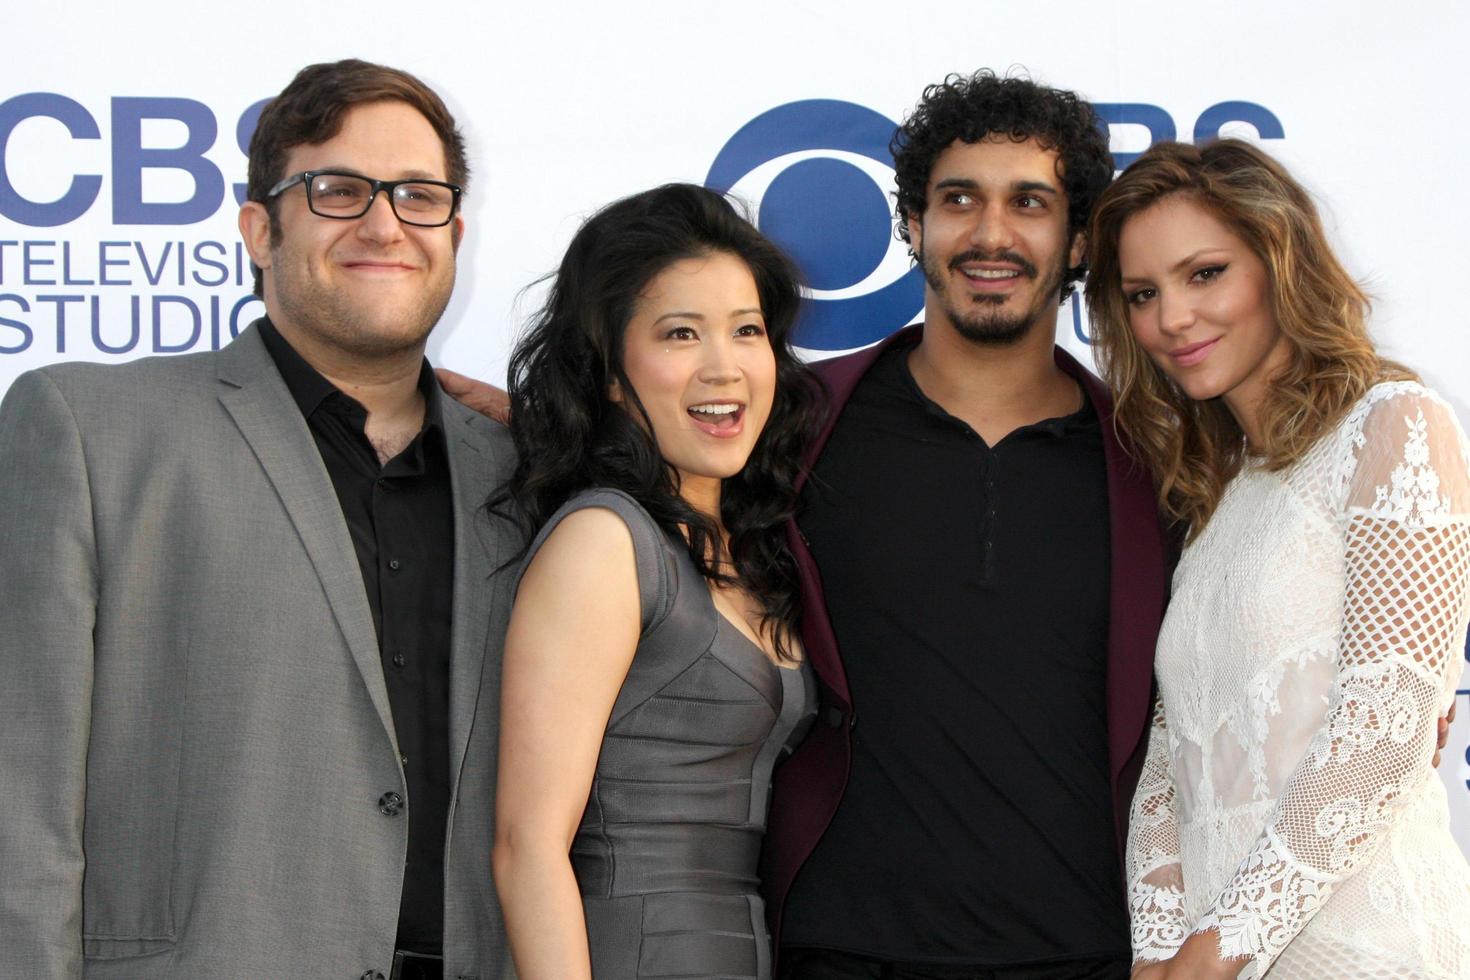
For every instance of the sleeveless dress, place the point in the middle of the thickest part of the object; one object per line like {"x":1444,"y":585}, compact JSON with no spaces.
{"x":1314,"y":636}
{"x":667,"y":848}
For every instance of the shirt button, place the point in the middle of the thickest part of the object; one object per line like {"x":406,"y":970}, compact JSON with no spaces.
{"x":399,"y":660}
{"x":390,"y":804}
{"x":403,"y":760}
{"x":394,"y":564}
{"x":373,"y":975}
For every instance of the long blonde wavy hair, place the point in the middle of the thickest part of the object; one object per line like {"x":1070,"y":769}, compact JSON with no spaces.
{"x":1193,"y":448}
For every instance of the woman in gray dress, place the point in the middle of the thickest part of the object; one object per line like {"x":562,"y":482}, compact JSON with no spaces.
{"x":651,"y":677}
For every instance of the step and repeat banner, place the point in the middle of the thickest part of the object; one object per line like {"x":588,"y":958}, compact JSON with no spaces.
{"x":123,"y":128}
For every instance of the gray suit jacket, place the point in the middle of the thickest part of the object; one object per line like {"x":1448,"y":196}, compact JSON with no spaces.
{"x":194,"y":727}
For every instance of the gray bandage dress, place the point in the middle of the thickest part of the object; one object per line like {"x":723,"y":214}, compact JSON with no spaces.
{"x":667,"y":848}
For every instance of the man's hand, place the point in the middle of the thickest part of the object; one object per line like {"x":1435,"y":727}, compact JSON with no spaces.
{"x":488,"y":399}
{"x":1444,"y":733}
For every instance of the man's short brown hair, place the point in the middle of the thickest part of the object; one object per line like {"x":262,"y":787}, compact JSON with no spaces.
{"x":310,"y":109}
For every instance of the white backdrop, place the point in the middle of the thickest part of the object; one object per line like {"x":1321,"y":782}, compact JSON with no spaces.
{"x":120,"y":147}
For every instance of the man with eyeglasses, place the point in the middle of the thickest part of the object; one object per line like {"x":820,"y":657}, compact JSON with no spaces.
{"x":253,"y":604}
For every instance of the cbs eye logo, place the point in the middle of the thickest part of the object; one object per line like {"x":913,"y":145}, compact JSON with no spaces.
{"x":818,"y":174}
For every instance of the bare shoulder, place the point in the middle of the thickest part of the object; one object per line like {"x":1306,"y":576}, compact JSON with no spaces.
{"x":590,"y":544}
{"x":579,"y":594}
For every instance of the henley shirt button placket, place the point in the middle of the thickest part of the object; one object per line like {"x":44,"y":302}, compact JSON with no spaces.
{"x":988,"y":464}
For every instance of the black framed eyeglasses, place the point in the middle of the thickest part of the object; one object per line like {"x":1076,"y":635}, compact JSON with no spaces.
{"x":334,"y":194}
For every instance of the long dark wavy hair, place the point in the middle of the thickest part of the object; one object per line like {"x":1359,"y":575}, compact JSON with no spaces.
{"x":570,"y":436}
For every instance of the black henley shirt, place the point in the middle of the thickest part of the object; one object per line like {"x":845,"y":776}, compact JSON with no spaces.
{"x":968,"y":589}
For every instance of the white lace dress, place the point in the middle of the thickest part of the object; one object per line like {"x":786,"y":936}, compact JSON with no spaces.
{"x":1313,"y":639}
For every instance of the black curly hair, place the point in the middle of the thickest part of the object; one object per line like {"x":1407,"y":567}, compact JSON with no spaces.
{"x":570,"y":434}
{"x":974,"y":107}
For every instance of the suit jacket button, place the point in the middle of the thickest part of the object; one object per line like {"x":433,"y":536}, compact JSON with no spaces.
{"x":390,"y":804}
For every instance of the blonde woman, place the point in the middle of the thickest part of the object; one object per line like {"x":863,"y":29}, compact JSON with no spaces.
{"x":1288,"y":819}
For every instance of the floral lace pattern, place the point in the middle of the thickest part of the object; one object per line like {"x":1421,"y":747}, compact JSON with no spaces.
{"x":1156,"y":899}
{"x":1265,"y":905}
{"x":1374,"y":707}
{"x":1159,"y":926}
{"x":1413,"y":491}
{"x":1310,"y":645}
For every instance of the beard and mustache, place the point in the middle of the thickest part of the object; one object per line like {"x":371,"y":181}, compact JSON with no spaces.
{"x":982,"y":319}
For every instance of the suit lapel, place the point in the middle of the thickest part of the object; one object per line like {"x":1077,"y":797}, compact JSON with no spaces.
{"x":839,"y":378}
{"x":262,"y":407}
{"x":479,"y":550}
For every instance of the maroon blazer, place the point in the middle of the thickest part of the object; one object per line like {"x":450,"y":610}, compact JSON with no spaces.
{"x":809,"y":785}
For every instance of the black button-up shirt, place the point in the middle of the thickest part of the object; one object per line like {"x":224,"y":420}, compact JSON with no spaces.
{"x":401,"y":519}
{"x":968,"y":590}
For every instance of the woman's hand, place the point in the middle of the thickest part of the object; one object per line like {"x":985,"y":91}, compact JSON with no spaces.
{"x":1444,"y":733}
{"x":1172,"y":969}
{"x":1197,"y":959}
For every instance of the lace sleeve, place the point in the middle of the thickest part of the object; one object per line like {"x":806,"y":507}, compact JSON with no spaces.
{"x":1406,"y":526}
{"x":1155,"y":881}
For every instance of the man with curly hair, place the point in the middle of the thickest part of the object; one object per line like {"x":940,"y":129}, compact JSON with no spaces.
{"x":991,"y":569}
